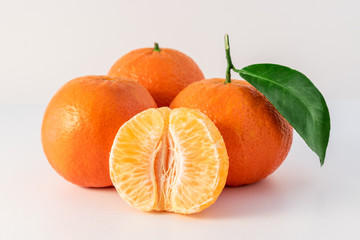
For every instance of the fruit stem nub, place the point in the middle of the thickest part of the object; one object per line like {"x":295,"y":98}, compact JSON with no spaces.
{"x":228,"y":59}
{"x":156,"y":47}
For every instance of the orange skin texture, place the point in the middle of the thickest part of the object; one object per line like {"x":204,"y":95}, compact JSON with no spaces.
{"x":80,"y":124}
{"x":256,"y":135}
{"x":164,"y":74}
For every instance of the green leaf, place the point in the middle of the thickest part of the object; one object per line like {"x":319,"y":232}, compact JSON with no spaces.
{"x":296,"y":98}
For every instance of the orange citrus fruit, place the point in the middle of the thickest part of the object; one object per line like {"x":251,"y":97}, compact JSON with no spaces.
{"x":164,"y":72}
{"x":80,"y":124}
{"x":169,"y":160}
{"x":257,"y":136}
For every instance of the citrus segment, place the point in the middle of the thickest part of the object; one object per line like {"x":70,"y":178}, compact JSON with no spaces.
{"x":201,"y":150}
{"x":128,"y":155}
{"x":169,"y":160}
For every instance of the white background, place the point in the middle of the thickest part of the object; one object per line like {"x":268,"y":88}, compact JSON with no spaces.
{"x":44,"y":44}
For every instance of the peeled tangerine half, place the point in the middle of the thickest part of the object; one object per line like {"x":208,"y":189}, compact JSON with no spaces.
{"x":169,"y":160}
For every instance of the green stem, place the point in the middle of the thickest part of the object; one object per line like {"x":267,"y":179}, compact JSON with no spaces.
{"x":156,"y":47}
{"x":228,"y":59}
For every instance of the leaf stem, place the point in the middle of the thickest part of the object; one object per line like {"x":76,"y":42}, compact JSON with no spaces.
{"x":228,"y":59}
{"x":156,"y":47}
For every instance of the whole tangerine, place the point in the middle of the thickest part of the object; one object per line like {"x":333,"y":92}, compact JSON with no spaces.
{"x":256,"y":135}
{"x":164,"y":72}
{"x":80,"y":124}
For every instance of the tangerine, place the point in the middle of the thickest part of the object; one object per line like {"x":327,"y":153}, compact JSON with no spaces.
{"x":256,"y":135}
{"x":169,"y":160}
{"x":80,"y":124}
{"x":163,"y":72}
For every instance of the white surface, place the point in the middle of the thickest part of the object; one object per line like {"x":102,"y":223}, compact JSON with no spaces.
{"x":299,"y":201}
{"x":44,"y":43}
